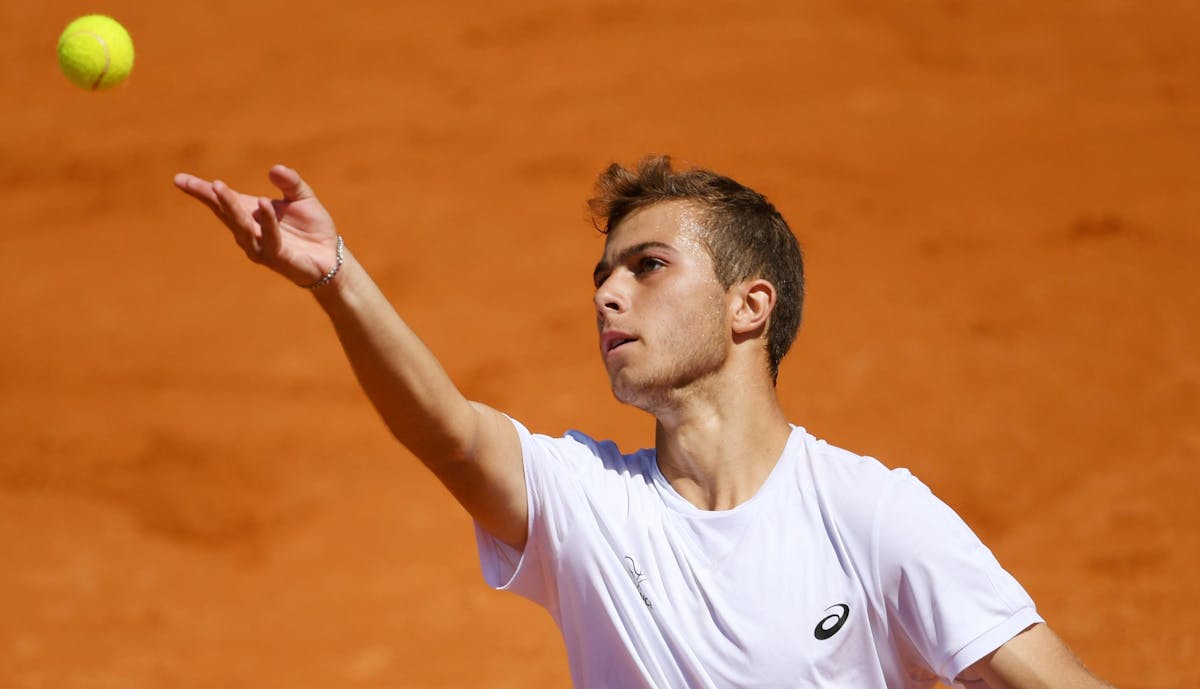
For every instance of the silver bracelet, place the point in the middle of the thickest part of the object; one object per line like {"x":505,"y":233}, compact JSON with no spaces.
{"x":328,"y":277}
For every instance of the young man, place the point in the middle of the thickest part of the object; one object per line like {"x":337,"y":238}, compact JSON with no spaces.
{"x":741,"y":551}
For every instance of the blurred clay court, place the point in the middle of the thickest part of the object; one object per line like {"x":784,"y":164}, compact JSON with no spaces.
{"x":998,"y":203}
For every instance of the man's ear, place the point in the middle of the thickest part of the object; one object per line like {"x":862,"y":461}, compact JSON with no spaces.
{"x":754,"y":300}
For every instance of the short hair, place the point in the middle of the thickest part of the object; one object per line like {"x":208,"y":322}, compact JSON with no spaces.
{"x":743,"y":232}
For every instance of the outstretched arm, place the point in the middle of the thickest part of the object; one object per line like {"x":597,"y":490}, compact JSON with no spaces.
{"x":472,"y":449}
{"x":1034,"y":659}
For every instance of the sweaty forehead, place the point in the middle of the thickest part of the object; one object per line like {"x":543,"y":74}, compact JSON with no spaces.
{"x":675,"y":223}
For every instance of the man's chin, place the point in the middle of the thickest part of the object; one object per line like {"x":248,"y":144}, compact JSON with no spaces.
{"x":634,"y":394}
{"x":623,"y":389}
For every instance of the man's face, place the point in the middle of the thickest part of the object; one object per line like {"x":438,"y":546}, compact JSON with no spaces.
{"x":659,"y":307}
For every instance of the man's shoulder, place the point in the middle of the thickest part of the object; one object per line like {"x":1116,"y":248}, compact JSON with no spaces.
{"x":848,"y":487}
{"x":578,"y":451}
{"x":833,"y":463}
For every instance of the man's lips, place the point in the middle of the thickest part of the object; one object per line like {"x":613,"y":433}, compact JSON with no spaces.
{"x":612,"y":339}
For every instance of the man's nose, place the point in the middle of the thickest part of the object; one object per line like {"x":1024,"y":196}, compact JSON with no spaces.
{"x":610,"y":297}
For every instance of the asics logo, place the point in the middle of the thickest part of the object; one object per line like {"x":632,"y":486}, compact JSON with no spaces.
{"x":830,"y":624}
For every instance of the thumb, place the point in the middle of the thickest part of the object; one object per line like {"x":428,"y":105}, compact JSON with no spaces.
{"x":289,"y":182}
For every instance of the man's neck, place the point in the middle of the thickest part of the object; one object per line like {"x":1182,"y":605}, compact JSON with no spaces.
{"x":717,"y":450}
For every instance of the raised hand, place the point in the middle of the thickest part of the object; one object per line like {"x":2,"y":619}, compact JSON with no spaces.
{"x":293,"y":236}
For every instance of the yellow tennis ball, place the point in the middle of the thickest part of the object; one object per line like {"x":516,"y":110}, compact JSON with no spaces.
{"x":95,"y":52}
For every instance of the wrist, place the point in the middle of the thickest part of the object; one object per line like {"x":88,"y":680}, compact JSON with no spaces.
{"x":344,"y":286}
{"x":339,"y":259}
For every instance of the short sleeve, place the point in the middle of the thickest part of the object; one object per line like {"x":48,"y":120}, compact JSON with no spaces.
{"x":556,"y":471}
{"x":943,"y":587}
{"x":504,"y":567}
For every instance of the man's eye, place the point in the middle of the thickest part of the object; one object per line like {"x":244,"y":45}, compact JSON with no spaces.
{"x":648,"y":264}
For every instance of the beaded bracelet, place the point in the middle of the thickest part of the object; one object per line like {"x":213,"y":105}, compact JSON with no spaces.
{"x":328,"y":277}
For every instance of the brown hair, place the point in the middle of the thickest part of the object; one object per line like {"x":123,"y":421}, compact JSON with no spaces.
{"x":746,"y":237}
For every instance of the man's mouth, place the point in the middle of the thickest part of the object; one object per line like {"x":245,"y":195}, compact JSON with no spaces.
{"x":611,"y":341}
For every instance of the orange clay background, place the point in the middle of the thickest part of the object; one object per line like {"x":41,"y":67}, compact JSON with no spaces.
{"x":998,"y":203}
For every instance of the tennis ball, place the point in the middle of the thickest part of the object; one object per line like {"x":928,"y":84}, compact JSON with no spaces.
{"x":95,"y":52}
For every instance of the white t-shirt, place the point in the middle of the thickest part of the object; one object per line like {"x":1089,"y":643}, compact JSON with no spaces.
{"x":837,"y":573}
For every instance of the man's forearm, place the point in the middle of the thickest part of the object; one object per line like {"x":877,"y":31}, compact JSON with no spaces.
{"x":405,"y":382}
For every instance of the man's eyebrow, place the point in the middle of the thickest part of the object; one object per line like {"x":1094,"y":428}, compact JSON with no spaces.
{"x":604,"y":265}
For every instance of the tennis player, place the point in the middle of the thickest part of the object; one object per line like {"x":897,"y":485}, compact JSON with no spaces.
{"x":740,"y":551}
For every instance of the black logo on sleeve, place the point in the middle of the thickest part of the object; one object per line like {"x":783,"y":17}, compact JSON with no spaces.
{"x":831,"y":623}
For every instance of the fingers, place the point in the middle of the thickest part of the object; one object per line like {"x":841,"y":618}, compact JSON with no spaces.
{"x":272,"y":236}
{"x":254,"y":222}
{"x":289,"y":182}
{"x":245,"y":228}
{"x":198,"y":189}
